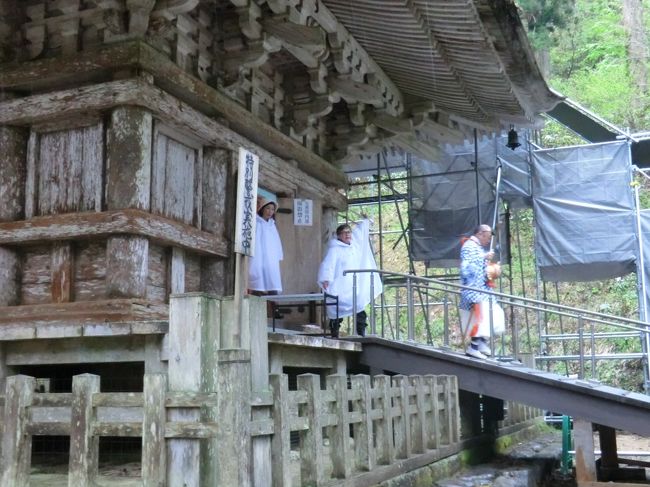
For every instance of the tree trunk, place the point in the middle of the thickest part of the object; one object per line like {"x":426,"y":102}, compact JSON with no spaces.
{"x":637,"y":48}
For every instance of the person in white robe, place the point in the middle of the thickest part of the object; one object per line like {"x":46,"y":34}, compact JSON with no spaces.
{"x":264,"y":276}
{"x":349,"y":250}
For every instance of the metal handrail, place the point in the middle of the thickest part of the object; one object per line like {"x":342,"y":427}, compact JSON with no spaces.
{"x":556,"y":308}
{"x":586,"y":320}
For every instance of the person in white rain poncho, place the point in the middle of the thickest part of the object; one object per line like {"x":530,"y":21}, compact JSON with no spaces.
{"x":349,"y":250}
{"x":264,"y":267}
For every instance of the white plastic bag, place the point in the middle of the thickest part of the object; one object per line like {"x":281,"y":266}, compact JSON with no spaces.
{"x":477,"y":321}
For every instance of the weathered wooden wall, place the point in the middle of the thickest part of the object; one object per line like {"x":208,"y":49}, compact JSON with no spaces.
{"x":68,"y":171}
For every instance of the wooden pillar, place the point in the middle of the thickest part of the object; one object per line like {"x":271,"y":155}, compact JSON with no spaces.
{"x":84,"y":445}
{"x":418,"y":426}
{"x":402,"y":426}
{"x":453,"y":407}
{"x":583,"y":439}
{"x":154,"y":419}
{"x":312,"y":467}
{"x":339,"y":434}
{"x":259,"y":367}
{"x":217,"y":217}
{"x":385,"y":442}
{"x":128,"y":185}
{"x":281,"y":441}
{"x":433,"y":418}
{"x":16,"y":441}
{"x":13,"y":155}
{"x":364,"y":438}
{"x":193,"y":347}
{"x":608,"y":451}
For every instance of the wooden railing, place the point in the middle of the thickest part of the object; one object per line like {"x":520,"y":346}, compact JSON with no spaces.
{"x":369,"y":423}
{"x":86,"y":415}
{"x":392,"y":418}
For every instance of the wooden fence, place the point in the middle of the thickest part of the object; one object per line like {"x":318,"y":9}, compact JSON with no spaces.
{"x":85,"y":415}
{"x":517,"y":414}
{"x":369,"y":423}
{"x":358,"y":428}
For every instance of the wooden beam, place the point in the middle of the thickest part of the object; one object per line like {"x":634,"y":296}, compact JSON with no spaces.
{"x":80,"y":312}
{"x":78,"y":349}
{"x":353,"y":91}
{"x":72,"y":226}
{"x":308,"y":37}
{"x":583,"y":438}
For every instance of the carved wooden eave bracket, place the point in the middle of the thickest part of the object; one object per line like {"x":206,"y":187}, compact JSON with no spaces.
{"x":91,"y":64}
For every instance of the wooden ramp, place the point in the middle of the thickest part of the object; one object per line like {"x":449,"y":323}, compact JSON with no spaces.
{"x":585,"y":399}
{"x":589,"y":403}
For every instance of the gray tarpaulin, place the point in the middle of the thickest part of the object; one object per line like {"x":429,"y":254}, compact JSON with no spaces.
{"x":584,"y":212}
{"x":443,"y":202}
{"x":443,"y":196}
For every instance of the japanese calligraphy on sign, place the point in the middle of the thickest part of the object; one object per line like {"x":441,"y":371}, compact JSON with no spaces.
{"x":303,"y":212}
{"x":246,"y":202}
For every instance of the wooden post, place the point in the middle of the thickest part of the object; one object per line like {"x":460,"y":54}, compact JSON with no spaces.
{"x":233,"y":445}
{"x":339,"y":434}
{"x":402,"y":422}
{"x":128,"y":155}
{"x":312,"y":467}
{"x":281,"y":441}
{"x":433,"y":418}
{"x":84,"y":446}
{"x":217,"y":215}
{"x":13,"y":158}
{"x":153,"y":431}
{"x":193,"y":346}
{"x":364,"y":441}
{"x":583,"y":439}
{"x":13,"y":155}
{"x":9,"y":277}
{"x":418,"y":427}
{"x":16,"y":441}
{"x":453,"y":407}
{"x":259,"y":347}
{"x":385,"y":449}
{"x":127,"y":261}
{"x":608,"y":450}
{"x":61,"y":269}
{"x":128,"y":185}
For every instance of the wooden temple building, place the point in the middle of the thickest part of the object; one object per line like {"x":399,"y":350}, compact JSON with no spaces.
{"x":120,"y":126}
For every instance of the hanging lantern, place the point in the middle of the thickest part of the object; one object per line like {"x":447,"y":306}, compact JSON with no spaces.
{"x":513,"y":138}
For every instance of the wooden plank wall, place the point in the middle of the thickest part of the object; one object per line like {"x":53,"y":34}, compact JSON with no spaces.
{"x":131,"y":161}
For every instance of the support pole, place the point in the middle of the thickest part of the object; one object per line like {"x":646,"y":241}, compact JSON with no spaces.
{"x":584,"y":444}
{"x":478,"y":198}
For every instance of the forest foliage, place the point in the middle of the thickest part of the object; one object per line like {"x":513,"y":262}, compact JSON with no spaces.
{"x":590,"y":54}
